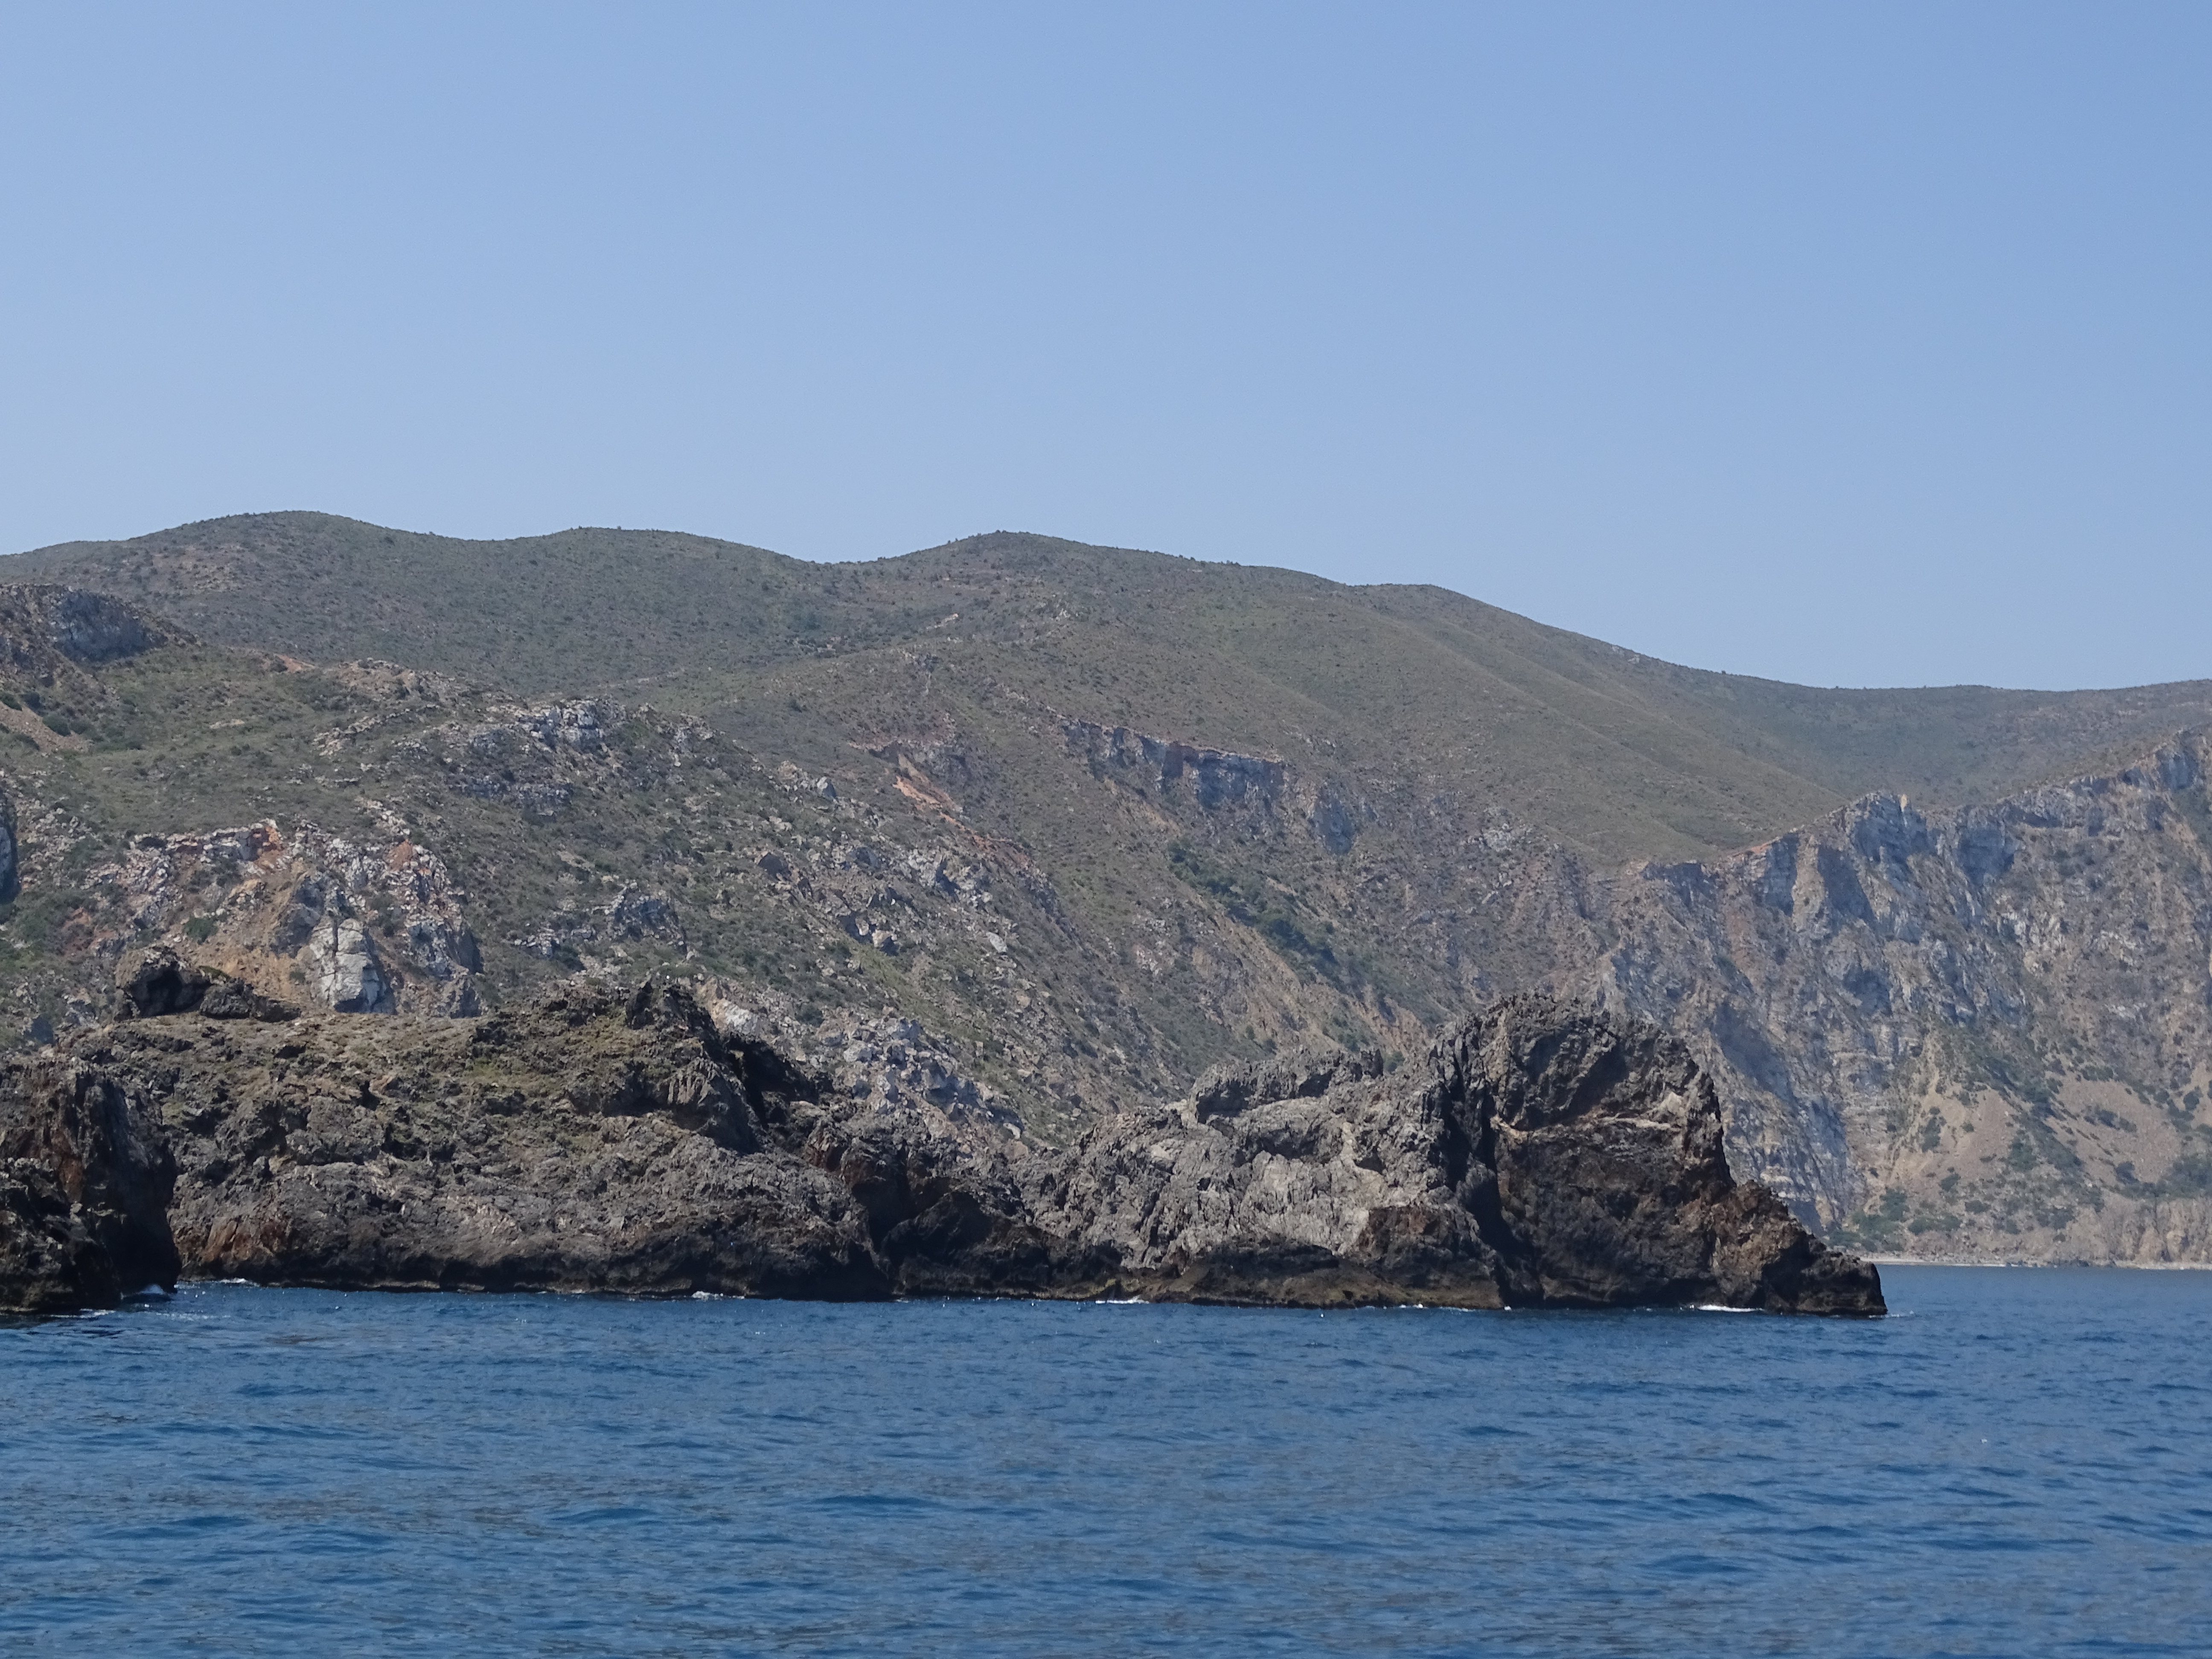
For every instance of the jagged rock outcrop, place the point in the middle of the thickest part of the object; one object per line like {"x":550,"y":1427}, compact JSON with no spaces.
{"x":1535,"y":1156}
{"x":43,"y":627}
{"x":589,"y":1143}
{"x":1217,"y":776}
{"x":86,"y":1176}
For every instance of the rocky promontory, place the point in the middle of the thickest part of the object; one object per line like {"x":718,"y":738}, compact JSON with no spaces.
{"x":1536,"y":1156}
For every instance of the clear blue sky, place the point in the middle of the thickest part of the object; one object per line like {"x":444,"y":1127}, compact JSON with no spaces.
{"x":1852,"y":344}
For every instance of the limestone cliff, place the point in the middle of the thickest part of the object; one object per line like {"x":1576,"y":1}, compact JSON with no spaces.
{"x":973,"y":854}
{"x":1980,"y":1032}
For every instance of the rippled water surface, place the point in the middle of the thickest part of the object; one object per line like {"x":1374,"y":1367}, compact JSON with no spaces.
{"x":2015,"y":1462}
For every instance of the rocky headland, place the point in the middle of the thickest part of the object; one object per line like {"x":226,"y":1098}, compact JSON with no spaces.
{"x":1534,"y":1155}
{"x":1032,"y":835}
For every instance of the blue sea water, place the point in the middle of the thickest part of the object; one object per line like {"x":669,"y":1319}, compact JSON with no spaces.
{"x":2014,"y":1462}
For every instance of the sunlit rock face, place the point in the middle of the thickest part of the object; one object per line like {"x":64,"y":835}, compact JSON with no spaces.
{"x":351,"y":926}
{"x":1983,"y":1032}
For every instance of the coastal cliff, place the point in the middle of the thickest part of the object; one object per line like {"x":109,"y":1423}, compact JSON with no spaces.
{"x":1978,"y":1032}
{"x":1534,"y":1155}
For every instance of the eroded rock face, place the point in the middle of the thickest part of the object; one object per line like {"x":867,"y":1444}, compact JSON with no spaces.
{"x":93,"y":628}
{"x":1216,"y":775}
{"x":338,"y":924}
{"x":85,"y":1177}
{"x":1981,"y":1032}
{"x":44,"y":627}
{"x":343,"y":969}
{"x":1536,"y":1157}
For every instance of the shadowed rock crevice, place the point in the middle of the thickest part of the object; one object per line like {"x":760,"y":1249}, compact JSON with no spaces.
{"x":161,"y":984}
{"x":86,"y":1176}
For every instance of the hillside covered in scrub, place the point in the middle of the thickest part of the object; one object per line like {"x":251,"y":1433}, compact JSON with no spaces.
{"x":1064,"y":826}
